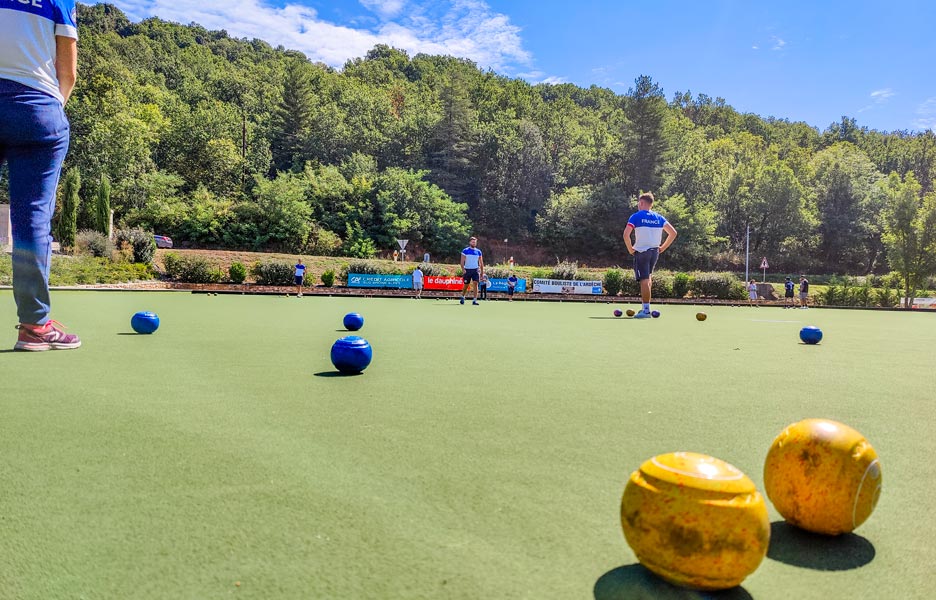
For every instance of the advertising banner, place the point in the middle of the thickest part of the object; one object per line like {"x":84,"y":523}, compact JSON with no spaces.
{"x":500,"y":285}
{"x":564,"y":286}
{"x":357,"y":280}
{"x":446,"y":282}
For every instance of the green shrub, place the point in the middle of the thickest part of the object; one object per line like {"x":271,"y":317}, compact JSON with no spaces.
{"x":629,"y":284}
{"x":497,"y":272}
{"x":564,"y":270}
{"x":613,"y":281}
{"x":237,"y":272}
{"x":662,"y":284}
{"x":681,"y":283}
{"x":273,"y":273}
{"x":328,"y":278}
{"x":541,"y":273}
{"x":142,"y":243}
{"x":323,"y":242}
{"x":886,"y":297}
{"x":438,"y":270}
{"x":171,"y":263}
{"x":373,"y":267}
{"x":93,"y":243}
{"x":191,"y":269}
{"x":723,"y":286}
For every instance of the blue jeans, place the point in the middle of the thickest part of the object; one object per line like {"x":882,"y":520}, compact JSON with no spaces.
{"x":34,"y":136}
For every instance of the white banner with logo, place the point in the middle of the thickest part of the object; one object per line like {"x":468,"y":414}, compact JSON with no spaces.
{"x":564,"y":286}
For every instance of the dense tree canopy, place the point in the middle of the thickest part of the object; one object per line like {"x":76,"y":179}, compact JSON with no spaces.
{"x":233,"y":143}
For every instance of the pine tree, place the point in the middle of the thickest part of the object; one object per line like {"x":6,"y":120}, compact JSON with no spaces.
{"x":68,"y":218}
{"x":102,"y":207}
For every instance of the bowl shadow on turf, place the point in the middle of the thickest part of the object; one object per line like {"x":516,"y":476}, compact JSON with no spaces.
{"x":635,"y":582}
{"x":794,"y":546}
{"x":337,"y":374}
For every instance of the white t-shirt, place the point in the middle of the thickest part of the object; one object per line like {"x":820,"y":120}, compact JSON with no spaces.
{"x":648,"y":229}
{"x":27,"y":41}
{"x":472,"y":256}
{"x":417,"y":277}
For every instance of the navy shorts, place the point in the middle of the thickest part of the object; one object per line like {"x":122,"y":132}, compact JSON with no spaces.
{"x":298,"y":279}
{"x":789,"y":294}
{"x":470,"y":275}
{"x":644,"y":262}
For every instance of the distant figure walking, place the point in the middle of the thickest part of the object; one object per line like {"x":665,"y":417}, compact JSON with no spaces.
{"x":804,"y":292}
{"x":483,"y":286}
{"x":418,"y":282}
{"x":753,"y":297}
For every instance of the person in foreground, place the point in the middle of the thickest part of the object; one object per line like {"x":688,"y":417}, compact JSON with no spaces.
{"x":38,"y":68}
{"x":472,"y":263}
{"x":647,"y":227}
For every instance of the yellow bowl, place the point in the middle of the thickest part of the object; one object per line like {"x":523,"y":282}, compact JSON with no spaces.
{"x":822,"y":476}
{"x":695,"y":520}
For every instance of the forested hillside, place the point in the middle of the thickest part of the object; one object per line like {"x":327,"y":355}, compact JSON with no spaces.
{"x":230,"y":143}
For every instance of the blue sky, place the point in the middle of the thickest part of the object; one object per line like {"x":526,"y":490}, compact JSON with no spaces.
{"x":803,"y":61}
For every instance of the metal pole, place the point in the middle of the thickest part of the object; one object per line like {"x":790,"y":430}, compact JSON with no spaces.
{"x":747,"y":254}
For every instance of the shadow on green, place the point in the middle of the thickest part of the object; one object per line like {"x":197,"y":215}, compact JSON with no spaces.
{"x":800,"y":548}
{"x":635,"y":582}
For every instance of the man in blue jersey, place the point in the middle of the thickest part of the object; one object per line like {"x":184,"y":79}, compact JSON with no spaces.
{"x":299,"y":277}
{"x":648,"y":228}
{"x":472,"y":263}
{"x":38,"y":68}
{"x":788,"y":287}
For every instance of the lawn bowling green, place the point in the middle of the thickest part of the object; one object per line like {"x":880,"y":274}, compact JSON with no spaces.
{"x":482,"y":454}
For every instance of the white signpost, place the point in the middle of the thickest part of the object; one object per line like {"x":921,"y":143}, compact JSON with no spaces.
{"x":764,"y":266}
{"x":402,"y":244}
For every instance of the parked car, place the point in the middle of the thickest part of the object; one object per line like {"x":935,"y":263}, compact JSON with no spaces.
{"x":163,"y":241}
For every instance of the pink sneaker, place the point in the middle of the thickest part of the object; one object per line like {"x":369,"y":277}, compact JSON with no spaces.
{"x":37,"y":338}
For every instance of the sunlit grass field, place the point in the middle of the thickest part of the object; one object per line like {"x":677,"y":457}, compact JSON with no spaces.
{"x":481,"y":455}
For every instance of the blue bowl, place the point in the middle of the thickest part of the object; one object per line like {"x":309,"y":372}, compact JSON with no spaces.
{"x":145,"y":322}
{"x":353,"y":321}
{"x":810,"y":335}
{"x":351,"y":354}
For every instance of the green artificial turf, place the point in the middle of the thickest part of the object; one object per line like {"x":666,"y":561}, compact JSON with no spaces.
{"x":481,"y":455}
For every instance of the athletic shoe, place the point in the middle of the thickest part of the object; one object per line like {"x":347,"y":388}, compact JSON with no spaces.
{"x":474,"y":302}
{"x":644,"y":314}
{"x":462,"y":301}
{"x":38,"y":338}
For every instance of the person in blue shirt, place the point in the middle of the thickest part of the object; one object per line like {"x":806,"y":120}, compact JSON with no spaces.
{"x":299,"y":277}
{"x":472,"y":263}
{"x":648,"y":228}
{"x":788,"y":288}
{"x":38,"y":68}
{"x":511,"y":286}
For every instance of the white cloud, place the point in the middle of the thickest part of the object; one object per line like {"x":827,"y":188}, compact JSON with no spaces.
{"x":755,"y":47}
{"x":385,"y":8}
{"x":463,"y":28}
{"x":778,"y":43}
{"x":553,"y":80}
{"x":881,"y":96}
{"x":927,"y":112}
